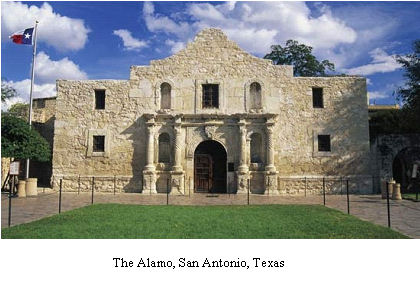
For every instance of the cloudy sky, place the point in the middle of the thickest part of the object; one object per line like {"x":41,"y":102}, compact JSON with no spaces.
{"x":100,"y":40}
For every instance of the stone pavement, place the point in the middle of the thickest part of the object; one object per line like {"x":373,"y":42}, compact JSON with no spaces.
{"x":405,"y":215}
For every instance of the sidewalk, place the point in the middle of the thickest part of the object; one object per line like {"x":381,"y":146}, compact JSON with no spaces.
{"x":405,"y":215}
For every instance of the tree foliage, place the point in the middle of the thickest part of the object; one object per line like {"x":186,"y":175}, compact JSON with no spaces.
{"x":20,"y":141}
{"x":410,"y":92}
{"x":301,"y":57}
{"x":7,"y":92}
{"x":20,"y":110}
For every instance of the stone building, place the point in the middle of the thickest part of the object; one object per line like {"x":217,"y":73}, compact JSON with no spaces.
{"x":208,"y":119}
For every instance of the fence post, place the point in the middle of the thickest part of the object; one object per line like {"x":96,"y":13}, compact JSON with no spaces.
{"x":78,"y":186}
{"x":249,"y":186}
{"x":167,"y":191}
{"x":93,"y":188}
{"x":59,"y":198}
{"x":348,"y":200}
{"x":323,"y":188}
{"x":387,"y":203}
{"x":10,"y":201}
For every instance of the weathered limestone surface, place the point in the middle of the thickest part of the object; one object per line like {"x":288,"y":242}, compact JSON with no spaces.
{"x":287,"y":122}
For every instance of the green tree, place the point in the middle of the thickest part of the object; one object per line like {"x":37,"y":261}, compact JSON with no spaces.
{"x":301,"y":57}
{"x":410,"y":92}
{"x":20,"y":110}
{"x":20,"y":141}
{"x":6,"y":91}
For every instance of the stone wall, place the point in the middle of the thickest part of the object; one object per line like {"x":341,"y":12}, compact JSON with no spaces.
{"x":132,"y":113}
{"x":385,"y":148}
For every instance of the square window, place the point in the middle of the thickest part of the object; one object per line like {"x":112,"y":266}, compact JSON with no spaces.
{"x":99,"y":99}
{"x":317,"y":98}
{"x":210,"y":96}
{"x":324,"y":143}
{"x":98,"y":143}
{"x":40,"y":103}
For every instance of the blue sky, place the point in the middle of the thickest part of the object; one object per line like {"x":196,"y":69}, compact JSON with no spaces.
{"x":101,"y":40}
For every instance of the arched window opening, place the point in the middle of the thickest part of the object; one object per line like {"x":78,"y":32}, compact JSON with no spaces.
{"x":164,"y":148}
{"x":255,"y":95}
{"x":256,"y":148}
{"x":165,"y":96}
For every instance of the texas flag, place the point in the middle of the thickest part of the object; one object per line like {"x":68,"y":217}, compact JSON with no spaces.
{"x":23,"y":37}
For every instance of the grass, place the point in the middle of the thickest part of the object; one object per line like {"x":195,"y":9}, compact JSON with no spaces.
{"x":137,"y":221}
{"x":410,"y":196}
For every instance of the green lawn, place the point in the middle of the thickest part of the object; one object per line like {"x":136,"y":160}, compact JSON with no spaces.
{"x":136,"y":221}
{"x":410,"y":196}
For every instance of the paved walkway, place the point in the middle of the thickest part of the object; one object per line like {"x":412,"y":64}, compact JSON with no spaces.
{"x":405,"y":215}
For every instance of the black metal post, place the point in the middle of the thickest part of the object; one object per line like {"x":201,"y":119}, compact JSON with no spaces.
{"x":387,"y":203}
{"x":348,"y":199}
{"x":10,"y":202}
{"x":78,"y":187}
{"x":115,"y":182}
{"x":249,"y":186}
{"x":93,"y":188}
{"x":167,"y":192}
{"x":323,"y":188}
{"x":59,"y":197}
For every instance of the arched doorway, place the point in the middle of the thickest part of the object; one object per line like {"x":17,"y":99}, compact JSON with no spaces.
{"x":210,"y":167}
{"x":403,"y":164}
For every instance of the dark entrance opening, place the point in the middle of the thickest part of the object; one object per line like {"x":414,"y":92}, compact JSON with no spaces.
{"x":402,"y":167}
{"x":210,"y":167}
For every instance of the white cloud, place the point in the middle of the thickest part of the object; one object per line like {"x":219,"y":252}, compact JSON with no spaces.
{"x":23,"y":89}
{"x":257,"y":25}
{"x":48,"y":71}
{"x":61,"y":32}
{"x":155,"y":22}
{"x":130,"y":43}
{"x":381,"y":63}
{"x":176,"y":45}
{"x":377,"y":95}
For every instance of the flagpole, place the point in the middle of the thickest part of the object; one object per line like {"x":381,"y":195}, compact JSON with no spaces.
{"x":32,"y":88}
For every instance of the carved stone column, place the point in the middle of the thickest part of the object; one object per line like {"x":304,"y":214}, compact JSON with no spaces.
{"x":177,"y":173}
{"x":270,"y":179}
{"x":149,"y":176}
{"x":177,"y":147}
{"x":243,"y":171}
{"x":270,"y":149}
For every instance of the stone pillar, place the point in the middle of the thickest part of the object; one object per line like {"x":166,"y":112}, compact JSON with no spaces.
{"x":22,"y":188}
{"x":396,"y":192}
{"x":270,"y":149}
{"x":243,"y":171}
{"x":149,"y":176}
{"x":270,"y":179}
{"x":177,"y":174}
{"x":178,"y":146}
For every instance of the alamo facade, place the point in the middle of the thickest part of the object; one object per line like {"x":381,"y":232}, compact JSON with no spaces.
{"x":210,"y":118}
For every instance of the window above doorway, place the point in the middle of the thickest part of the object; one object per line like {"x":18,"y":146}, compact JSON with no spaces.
{"x":210,"y":96}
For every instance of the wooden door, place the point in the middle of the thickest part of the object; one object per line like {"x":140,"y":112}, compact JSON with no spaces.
{"x":203,"y":172}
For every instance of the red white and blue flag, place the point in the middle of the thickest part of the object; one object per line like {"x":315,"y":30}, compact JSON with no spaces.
{"x":23,"y":37}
